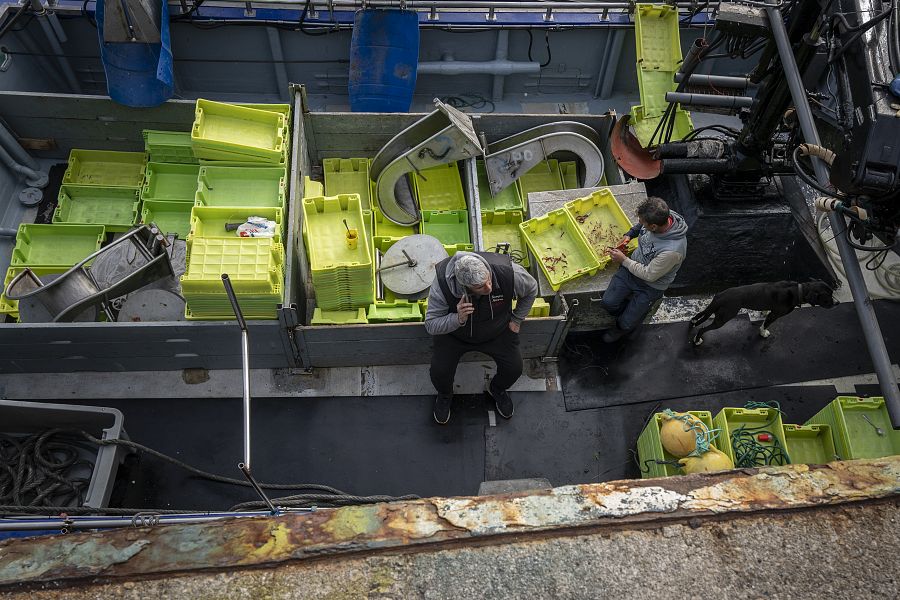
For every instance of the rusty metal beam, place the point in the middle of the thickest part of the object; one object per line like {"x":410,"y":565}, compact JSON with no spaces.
{"x":408,"y":526}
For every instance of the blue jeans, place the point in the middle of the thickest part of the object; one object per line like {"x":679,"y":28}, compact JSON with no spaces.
{"x":629,"y":299}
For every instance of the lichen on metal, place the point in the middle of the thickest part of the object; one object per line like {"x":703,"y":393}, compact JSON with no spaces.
{"x":406,"y":526}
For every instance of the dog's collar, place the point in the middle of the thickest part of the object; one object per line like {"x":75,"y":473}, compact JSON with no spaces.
{"x":799,"y":294}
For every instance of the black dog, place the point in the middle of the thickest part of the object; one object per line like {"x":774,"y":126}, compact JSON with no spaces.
{"x":779,"y":298}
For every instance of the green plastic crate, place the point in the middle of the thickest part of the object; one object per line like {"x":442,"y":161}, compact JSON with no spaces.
{"x":400,"y":311}
{"x":284,"y":109}
{"x":222,"y":158}
{"x":559,"y":247}
{"x":257,"y":134}
{"x":645,"y":124}
{"x":171,"y":182}
{"x":658,"y":53}
{"x":234,"y":186}
{"x":105,"y":168}
{"x":348,"y":176}
{"x":170,"y":217}
{"x":854,"y":437}
{"x":507,"y":199}
{"x":55,"y":245}
{"x":326,"y":233}
{"x":116,"y":208}
{"x":384,"y":227}
{"x":312,"y":188}
{"x":569,"y":172}
{"x":650,"y":448}
{"x":809,"y":444}
{"x":503,"y":227}
{"x":451,"y":227}
{"x":169,"y":146}
{"x":209,"y":221}
{"x":255,"y":265}
{"x":602,"y":222}
{"x":730,"y":419}
{"x":539,"y":309}
{"x":543,"y":177}
{"x":11,"y":307}
{"x":339,"y":317}
{"x":440,"y":188}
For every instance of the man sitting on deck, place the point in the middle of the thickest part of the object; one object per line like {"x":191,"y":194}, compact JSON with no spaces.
{"x":470,"y":309}
{"x":662,"y":246}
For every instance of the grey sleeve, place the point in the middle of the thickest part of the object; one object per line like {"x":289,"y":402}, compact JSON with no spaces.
{"x":526,"y":288}
{"x":438,"y":319}
{"x":659,"y":266}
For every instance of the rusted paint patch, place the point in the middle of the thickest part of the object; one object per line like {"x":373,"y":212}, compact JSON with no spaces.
{"x":563,"y":506}
{"x":296,"y":536}
{"x":800,"y":485}
{"x":44,"y":560}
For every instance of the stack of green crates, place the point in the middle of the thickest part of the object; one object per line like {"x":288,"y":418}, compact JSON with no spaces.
{"x":243,"y":155}
{"x":169,"y":146}
{"x":48,"y":249}
{"x":658,"y":48}
{"x":254,"y":265}
{"x":348,"y":176}
{"x":854,"y":424}
{"x":239,"y":134}
{"x":168,"y":196}
{"x":342,"y":269}
{"x":101,"y":188}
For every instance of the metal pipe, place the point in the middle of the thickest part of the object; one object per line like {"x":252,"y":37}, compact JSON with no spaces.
{"x":32,"y":178}
{"x":57,"y":27}
{"x":681,"y":166}
{"x":864,"y":309}
{"x":709,"y":100}
{"x":462,"y":4}
{"x":609,"y":75}
{"x":245,"y":378}
{"x":470,"y":67}
{"x":278,"y":61}
{"x":111,"y":522}
{"x":716,"y":81}
{"x":604,"y":63}
{"x":11,"y":144}
{"x":500,"y":55}
{"x":69,"y":74}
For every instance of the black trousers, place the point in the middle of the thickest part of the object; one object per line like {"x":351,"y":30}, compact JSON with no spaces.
{"x":504,"y":349}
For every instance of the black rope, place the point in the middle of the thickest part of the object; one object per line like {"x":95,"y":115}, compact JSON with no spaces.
{"x":37,"y":472}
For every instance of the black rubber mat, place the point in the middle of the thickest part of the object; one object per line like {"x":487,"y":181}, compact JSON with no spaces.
{"x":658,"y":363}
{"x":543,"y":440}
{"x":363,"y":446}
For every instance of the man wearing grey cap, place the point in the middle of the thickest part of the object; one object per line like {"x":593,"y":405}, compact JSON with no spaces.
{"x":470,"y":309}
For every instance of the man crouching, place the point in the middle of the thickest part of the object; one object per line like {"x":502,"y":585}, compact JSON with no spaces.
{"x":470,"y":309}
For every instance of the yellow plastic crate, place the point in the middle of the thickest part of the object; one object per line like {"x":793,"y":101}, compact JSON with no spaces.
{"x":602,"y":222}
{"x":560,"y":248}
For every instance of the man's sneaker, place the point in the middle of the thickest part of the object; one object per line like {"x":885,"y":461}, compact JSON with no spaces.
{"x":441,"y":410}
{"x":613,"y":335}
{"x":502,"y":401}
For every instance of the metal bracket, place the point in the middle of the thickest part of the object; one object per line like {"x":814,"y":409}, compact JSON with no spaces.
{"x":7,"y":60}
{"x":548,"y":16}
{"x":444,"y":136}
{"x":140,"y":258}
{"x":249,"y":11}
{"x":510,"y":158}
{"x":491,"y":16}
{"x":433,"y":14}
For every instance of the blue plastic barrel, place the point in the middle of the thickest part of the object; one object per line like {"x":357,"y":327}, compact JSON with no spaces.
{"x":137,"y":74}
{"x":384,"y":56}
